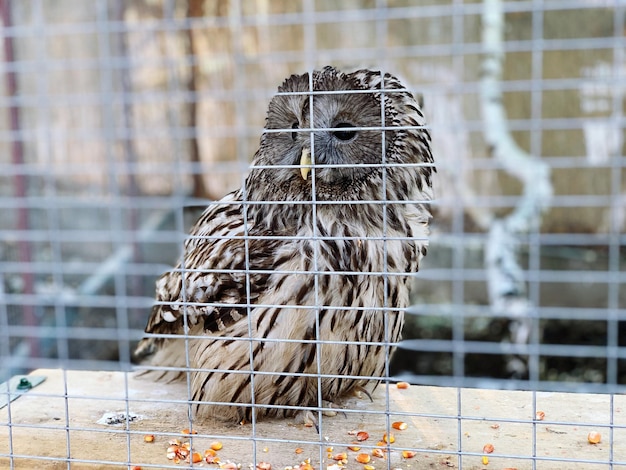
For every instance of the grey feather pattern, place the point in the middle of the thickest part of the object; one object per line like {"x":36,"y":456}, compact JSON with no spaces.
{"x":279,"y":279}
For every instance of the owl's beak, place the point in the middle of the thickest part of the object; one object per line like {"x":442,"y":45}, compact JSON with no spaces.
{"x":305,"y":161}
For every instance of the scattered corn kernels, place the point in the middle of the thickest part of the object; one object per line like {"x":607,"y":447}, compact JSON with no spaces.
{"x":187,"y":431}
{"x":264,"y":466}
{"x":368,"y":467}
{"x":216,"y":445}
{"x":408,"y":454}
{"x":485,"y":460}
{"x":354,"y":448}
{"x":378,"y":453}
{"x":389,"y":439}
{"x":363,"y":458}
{"x":230,"y":466}
{"x":304,"y":466}
{"x":399,"y":425}
{"x":148,"y":438}
{"x":340,"y":456}
{"x":299,"y":450}
{"x":594,"y":437}
{"x":540,"y":415}
{"x":196,"y":457}
{"x":362,"y":436}
{"x":488,"y":448}
{"x":403,"y":385}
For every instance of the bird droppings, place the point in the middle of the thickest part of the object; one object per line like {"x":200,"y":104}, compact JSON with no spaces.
{"x":119,"y":418}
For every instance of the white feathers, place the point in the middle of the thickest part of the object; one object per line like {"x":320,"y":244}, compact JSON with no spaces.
{"x":168,"y":316}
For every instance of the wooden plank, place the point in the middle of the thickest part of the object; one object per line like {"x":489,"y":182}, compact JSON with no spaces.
{"x":443,"y":424}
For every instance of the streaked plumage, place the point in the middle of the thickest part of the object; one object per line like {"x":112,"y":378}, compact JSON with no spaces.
{"x":317,"y":270}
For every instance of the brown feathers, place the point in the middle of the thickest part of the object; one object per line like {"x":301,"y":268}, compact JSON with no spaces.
{"x":278,"y":278}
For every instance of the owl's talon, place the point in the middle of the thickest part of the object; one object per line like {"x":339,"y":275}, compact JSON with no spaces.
{"x":332,"y":412}
{"x":328,"y":412}
{"x":359,"y":389}
{"x":310,"y":419}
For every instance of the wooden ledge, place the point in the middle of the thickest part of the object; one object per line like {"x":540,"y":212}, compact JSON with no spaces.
{"x":445,"y":425}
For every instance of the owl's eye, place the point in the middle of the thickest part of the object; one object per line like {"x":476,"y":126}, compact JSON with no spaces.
{"x":295,"y":125}
{"x":344,"y":135}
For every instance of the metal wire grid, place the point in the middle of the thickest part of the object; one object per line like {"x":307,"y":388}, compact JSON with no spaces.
{"x":123,"y":237}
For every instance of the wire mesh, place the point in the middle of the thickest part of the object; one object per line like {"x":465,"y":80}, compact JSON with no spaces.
{"x":121,"y":121}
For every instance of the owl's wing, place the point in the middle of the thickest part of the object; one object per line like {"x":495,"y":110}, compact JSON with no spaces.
{"x":218,"y":288}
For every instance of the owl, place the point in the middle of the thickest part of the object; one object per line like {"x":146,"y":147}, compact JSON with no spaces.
{"x":293,"y":288}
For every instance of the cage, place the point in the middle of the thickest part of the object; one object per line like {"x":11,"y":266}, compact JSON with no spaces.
{"x":123,"y":120}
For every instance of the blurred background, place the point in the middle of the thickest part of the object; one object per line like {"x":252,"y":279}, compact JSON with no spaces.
{"x":120,"y":119}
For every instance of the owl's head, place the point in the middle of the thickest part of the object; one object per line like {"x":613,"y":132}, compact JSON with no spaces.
{"x":335,"y":132}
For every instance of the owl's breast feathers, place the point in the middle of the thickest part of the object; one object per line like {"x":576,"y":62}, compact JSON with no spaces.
{"x":229,"y":265}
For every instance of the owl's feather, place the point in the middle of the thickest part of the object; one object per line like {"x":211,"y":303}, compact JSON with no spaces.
{"x":280,"y":279}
